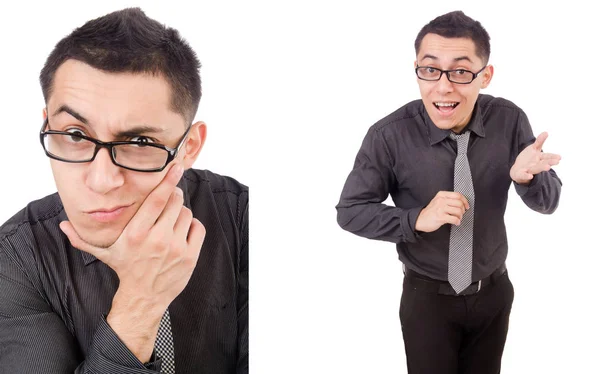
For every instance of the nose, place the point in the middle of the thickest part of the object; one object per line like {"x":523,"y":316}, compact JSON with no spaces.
{"x":103,"y":176}
{"x":444,"y":85}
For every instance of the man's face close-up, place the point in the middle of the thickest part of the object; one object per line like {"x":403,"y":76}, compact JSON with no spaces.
{"x":100,"y":197}
{"x":448,"y":104}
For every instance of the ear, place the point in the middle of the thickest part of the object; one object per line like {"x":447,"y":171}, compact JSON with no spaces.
{"x":488,"y":73}
{"x":416,"y":76}
{"x":44,"y":113}
{"x":194,"y":143}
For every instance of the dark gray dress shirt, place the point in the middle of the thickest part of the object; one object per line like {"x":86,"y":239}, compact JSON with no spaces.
{"x":406,"y":156}
{"x":54,"y":299}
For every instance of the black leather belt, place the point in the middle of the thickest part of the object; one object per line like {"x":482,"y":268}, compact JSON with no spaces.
{"x":425,"y":283}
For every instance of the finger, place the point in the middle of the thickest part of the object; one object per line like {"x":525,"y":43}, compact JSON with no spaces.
{"x":539,"y":141}
{"x":458,"y":201}
{"x":543,"y":165}
{"x":156,"y":201}
{"x":169,"y":215}
{"x":465,"y":201}
{"x":182,"y":226}
{"x":550,"y":156}
{"x":456,"y":212}
{"x":451,"y":195}
{"x":196,"y":234}
{"x":76,"y":241}
{"x":451,"y":220}
{"x":553,"y":161}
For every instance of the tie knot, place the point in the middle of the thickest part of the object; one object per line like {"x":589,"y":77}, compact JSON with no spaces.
{"x":462,"y":141}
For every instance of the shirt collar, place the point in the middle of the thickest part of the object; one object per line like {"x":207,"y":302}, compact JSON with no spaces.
{"x":89,"y":258}
{"x":436,"y":134}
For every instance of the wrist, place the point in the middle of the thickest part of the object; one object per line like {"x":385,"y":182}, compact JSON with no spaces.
{"x":135,"y":320}
{"x":520,"y":181}
{"x":135,"y":303}
{"x":523,"y":183}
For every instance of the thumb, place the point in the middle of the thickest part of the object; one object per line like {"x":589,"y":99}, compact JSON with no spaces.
{"x":79,"y":243}
{"x":539,"y":141}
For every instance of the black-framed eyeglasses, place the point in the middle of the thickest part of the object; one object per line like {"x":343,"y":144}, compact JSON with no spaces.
{"x":460,"y":76}
{"x":141,"y":156}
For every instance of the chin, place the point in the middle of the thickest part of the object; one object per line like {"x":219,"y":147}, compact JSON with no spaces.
{"x":101,"y":242}
{"x":99,"y":237}
{"x":444,"y":124}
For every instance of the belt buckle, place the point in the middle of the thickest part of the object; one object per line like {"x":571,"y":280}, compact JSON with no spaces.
{"x":470,"y":287}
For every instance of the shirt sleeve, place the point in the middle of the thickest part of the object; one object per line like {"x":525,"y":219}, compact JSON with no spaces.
{"x":34,"y":339}
{"x":361,"y":209}
{"x":542,"y":194}
{"x":242,"y":299}
{"x":110,"y":355}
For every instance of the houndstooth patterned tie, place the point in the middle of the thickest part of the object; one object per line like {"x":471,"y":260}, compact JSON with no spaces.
{"x":164,"y":344}
{"x":460,"y":258}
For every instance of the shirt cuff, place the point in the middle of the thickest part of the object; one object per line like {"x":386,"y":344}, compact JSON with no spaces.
{"x":412,"y":235}
{"x":532,"y":188}
{"x":109,"y":354}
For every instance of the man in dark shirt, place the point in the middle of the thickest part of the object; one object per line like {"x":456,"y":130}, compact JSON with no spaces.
{"x":448,"y":219}
{"x":139,"y":263}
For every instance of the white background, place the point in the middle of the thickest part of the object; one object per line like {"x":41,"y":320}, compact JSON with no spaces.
{"x":289,"y":92}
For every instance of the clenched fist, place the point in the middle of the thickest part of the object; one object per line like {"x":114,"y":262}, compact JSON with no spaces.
{"x":445,"y":207}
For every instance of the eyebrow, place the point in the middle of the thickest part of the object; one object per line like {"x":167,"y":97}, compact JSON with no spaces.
{"x":132,"y":132}
{"x":67,"y":109}
{"x":456,"y":59}
{"x":138,"y":130}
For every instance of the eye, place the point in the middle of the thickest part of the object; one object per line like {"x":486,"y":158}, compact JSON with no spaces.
{"x":431,"y":70}
{"x":142,"y":140}
{"x":77,"y":132}
{"x":461,"y":71}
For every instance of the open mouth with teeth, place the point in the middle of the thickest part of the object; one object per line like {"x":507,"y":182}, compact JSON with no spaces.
{"x":445,"y":107}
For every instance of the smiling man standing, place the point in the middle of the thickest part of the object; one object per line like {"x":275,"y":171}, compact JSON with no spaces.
{"x":108,"y":275}
{"x":448,"y":161}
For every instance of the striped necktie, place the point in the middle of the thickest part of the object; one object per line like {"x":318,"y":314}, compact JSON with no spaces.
{"x":460,"y":257}
{"x":164,"y":344}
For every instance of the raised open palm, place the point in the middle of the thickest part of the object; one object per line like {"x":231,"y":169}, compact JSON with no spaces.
{"x":532,"y":161}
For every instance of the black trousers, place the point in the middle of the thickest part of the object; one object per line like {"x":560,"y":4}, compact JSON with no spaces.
{"x":446,"y":334}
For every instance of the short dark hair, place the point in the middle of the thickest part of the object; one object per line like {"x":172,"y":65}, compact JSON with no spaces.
{"x":128,"y":41}
{"x":458,"y":25}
